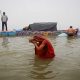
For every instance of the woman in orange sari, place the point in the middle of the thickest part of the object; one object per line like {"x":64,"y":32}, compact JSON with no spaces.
{"x":43,"y":48}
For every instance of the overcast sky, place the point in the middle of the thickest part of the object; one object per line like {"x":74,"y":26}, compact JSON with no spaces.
{"x":21,"y":13}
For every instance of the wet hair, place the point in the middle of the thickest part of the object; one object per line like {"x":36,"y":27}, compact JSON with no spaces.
{"x":70,"y":26}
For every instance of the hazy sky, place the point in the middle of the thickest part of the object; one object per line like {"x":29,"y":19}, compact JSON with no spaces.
{"x":24,"y":12}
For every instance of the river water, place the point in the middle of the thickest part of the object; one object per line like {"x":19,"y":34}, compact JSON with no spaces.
{"x":18,"y":62}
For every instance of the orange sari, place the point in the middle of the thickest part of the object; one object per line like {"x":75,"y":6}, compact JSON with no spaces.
{"x":47,"y":51}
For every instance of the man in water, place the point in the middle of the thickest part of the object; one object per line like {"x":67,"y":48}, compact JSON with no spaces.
{"x":43,"y":48}
{"x":71,"y":31}
{"x":4,"y":20}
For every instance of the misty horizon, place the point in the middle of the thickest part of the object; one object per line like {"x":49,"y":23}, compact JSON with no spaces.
{"x":21,"y":13}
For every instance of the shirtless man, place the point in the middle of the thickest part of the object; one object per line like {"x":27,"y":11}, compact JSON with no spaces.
{"x":71,"y":31}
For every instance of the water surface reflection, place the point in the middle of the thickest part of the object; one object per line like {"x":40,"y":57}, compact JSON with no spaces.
{"x":5,"y":41}
{"x":41,"y":69}
{"x":18,"y":61}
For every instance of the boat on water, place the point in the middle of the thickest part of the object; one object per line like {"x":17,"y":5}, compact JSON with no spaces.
{"x":27,"y":33}
{"x":7,"y":33}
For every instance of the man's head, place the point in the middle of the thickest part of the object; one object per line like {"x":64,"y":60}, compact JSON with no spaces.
{"x":3,"y":13}
{"x":70,"y":26}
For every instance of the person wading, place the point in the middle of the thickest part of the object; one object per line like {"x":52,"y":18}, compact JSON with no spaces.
{"x":43,"y":47}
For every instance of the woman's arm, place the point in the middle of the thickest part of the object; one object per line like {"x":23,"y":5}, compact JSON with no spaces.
{"x":39,"y":47}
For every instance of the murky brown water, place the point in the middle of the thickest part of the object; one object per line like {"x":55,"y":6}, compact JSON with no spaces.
{"x":18,"y":62}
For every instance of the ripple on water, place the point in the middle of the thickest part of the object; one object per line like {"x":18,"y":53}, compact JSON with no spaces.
{"x":17,"y":60}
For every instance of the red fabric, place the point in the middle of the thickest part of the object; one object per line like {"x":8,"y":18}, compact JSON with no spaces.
{"x":47,"y":51}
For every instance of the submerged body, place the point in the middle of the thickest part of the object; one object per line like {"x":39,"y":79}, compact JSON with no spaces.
{"x":43,"y":47}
